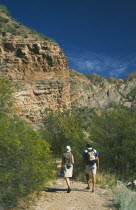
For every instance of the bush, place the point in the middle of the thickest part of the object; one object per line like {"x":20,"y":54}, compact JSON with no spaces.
{"x":43,"y":36}
{"x":62,"y":129}
{"x":6,"y":95}
{"x":12,"y":30}
{"x":114,"y":134}
{"x":4,"y":10}
{"x":125,"y":199}
{"x":24,"y":160}
{"x":4,"y":20}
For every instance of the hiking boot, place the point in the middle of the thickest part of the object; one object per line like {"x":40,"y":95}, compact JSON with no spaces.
{"x":93,"y":190}
{"x":69,"y":190}
{"x":87,"y":188}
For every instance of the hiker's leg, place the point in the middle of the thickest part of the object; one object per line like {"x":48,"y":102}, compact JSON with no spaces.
{"x":88,"y":180}
{"x":94,"y":169}
{"x":87,"y":175}
{"x":68,"y":182}
{"x":94,"y":181}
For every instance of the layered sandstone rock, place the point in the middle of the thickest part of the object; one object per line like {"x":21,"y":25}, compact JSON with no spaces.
{"x":41,"y":71}
{"x":38,"y":68}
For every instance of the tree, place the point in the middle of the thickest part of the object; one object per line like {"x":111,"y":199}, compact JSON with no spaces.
{"x":62,"y":129}
{"x":25,"y":159}
{"x":114,"y":133}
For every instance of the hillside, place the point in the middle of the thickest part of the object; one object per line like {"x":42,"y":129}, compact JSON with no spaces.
{"x":37,"y":66}
{"x":94,"y":91}
{"x":40,"y":71}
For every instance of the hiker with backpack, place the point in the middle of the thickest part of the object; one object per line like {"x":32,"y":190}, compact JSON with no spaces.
{"x":67,"y":164}
{"x":91,"y":163}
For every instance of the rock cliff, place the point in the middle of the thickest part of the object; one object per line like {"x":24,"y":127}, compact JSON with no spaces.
{"x":43,"y":80}
{"x":38,"y":67}
{"x":94,"y":91}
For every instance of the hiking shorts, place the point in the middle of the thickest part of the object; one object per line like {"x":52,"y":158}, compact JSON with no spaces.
{"x":68,"y":172}
{"x":90,"y":169}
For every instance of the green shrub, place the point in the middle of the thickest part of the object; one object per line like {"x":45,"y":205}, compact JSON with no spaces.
{"x":6,"y":97}
{"x":95,"y":79}
{"x":43,"y":36}
{"x":25,"y":160}
{"x":125,"y":199}
{"x":17,"y":25}
{"x":4,"y":20}
{"x":12,"y":30}
{"x":131,"y":94}
{"x":33,"y":31}
{"x":62,"y":129}
{"x":4,"y":9}
{"x":114,"y":135}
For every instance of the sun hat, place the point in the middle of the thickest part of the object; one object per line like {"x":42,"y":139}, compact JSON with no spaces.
{"x":90,"y":149}
{"x":68,"y":148}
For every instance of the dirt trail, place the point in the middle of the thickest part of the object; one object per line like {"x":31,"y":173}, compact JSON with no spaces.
{"x":57,"y":198}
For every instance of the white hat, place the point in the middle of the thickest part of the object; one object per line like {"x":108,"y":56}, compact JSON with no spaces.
{"x":68,"y":148}
{"x":90,"y":149}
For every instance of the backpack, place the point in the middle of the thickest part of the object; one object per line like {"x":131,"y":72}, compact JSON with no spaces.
{"x":68,"y":165}
{"x":91,"y":160}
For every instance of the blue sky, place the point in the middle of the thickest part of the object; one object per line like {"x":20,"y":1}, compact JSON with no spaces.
{"x":97,"y":36}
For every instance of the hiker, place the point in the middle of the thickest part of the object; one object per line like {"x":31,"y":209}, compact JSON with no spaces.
{"x":91,"y":163}
{"x":67,"y":164}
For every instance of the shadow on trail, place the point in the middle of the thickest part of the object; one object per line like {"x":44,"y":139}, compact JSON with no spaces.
{"x":52,"y":190}
{"x":111,"y":205}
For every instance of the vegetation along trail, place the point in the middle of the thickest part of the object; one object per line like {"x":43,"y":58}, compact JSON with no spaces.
{"x":57,"y":198}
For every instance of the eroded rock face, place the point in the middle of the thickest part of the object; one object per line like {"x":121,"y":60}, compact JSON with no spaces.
{"x":102,"y":93}
{"x":40,"y":70}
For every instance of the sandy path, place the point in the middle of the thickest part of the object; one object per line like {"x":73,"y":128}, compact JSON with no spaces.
{"x":57,"y":198}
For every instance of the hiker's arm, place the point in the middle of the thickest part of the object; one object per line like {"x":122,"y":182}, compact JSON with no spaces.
{"x":72,"y":159}
{"x":98,"y":162}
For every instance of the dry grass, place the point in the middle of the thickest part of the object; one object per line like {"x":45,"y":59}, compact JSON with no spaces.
{"x":104,"y":180}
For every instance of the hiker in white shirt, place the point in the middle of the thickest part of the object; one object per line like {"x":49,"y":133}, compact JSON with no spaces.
{"x":91,"y":164}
